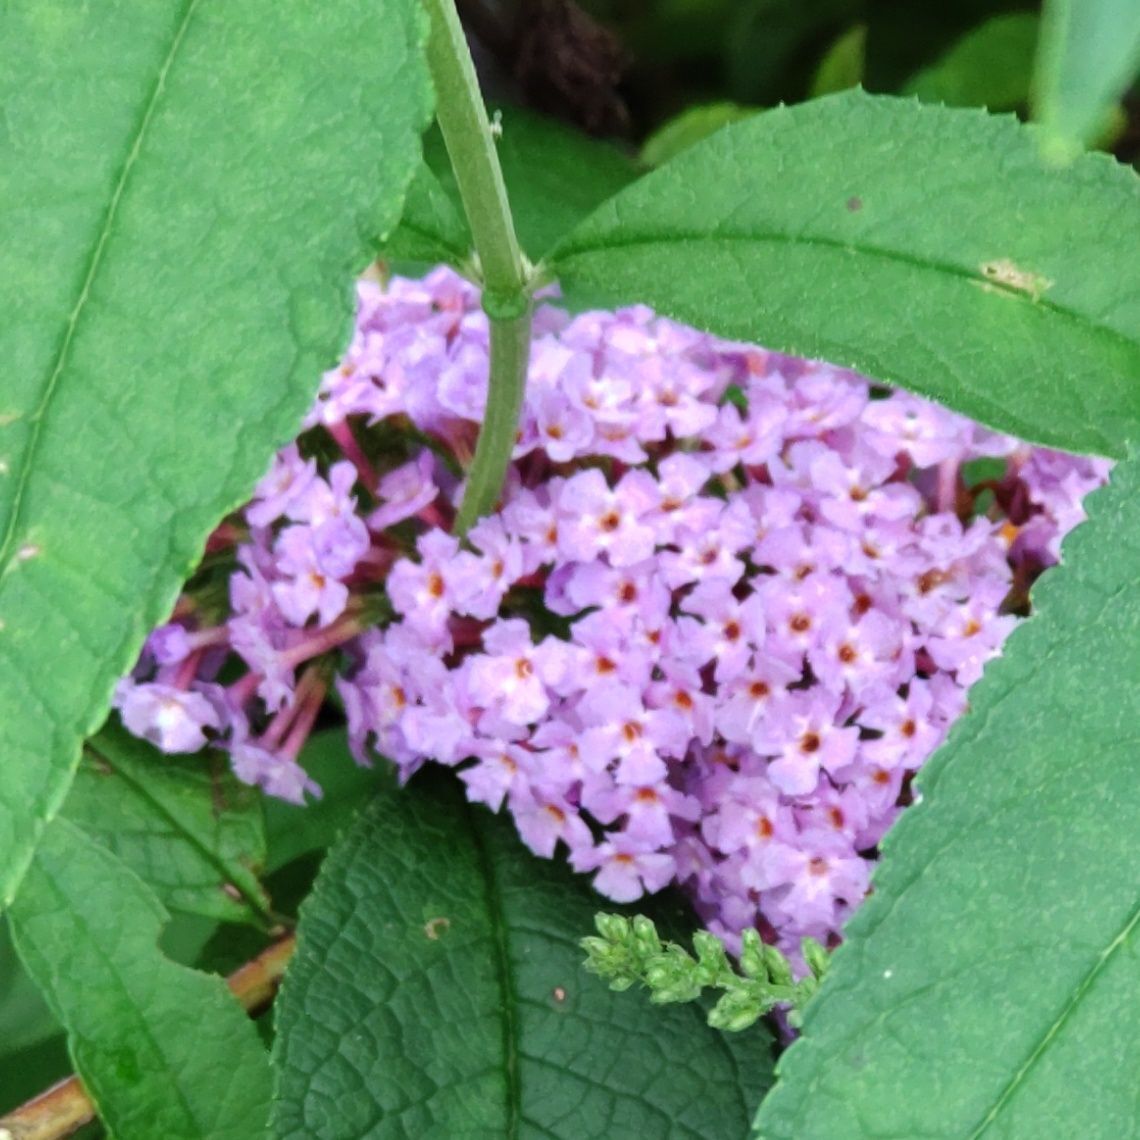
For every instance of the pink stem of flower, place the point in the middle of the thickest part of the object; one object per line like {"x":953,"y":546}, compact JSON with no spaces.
{"x":243,"y":689}
{"x":188,"y":669}
{"x":947,"y":494}
{"x":207,"y":638}
{"x":433,"y":516}
{"x":346,"y":627}
{"x":305,"y":718}
{"x":282,"y":722}
{"x":346,"y":441}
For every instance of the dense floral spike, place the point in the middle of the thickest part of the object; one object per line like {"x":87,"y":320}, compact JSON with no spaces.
{"x":730,"y":602}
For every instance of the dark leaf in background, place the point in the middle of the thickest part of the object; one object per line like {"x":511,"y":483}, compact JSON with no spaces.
{"x":438,"y":991}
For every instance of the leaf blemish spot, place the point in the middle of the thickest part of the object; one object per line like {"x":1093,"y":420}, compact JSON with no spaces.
{"x":434,"y":927}
{"x":26,"y":552}
{"x":854,"y":203}
{"x":559,"y":994}
{"x":1004,"y":272}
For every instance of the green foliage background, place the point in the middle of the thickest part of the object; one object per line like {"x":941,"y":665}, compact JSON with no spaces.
{"x":177,"y":268}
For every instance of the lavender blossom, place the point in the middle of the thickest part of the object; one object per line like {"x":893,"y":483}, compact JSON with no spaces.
{"x":729,"y":604}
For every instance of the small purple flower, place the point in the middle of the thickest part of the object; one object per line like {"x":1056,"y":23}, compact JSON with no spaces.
{"x":172,"y":719}
{"x":405,"y":491}
{"x":512,"y":674}
{"x":625,"y":872}
{"x":594,"y":519}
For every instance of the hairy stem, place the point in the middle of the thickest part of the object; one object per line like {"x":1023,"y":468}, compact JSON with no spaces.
{"x":506,"y":277}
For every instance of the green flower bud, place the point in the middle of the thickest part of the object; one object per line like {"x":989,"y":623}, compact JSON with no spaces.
{"x":612,"y":927}
{"x":752,"y":963}
{"x":737,"y":1010}
{"x":777,"y":966}
{"x":816,"y":957}
{"x":645,"y":935}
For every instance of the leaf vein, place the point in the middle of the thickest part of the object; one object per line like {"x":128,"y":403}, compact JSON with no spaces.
{"x":1058,"y":1024}
{"x":674,"y":237}
{"x":203,"y":849}
{"x":505,"y":977}
{"x":38,"y":416}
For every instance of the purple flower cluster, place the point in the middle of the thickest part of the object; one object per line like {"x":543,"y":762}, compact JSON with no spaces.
{"x":729,"y":603}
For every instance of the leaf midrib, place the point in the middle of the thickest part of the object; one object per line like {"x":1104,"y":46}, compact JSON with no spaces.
{"x":207,"y":854}
{"x":947,"y":269}
{"x":1058,"y":1023}
{"x":94,"y":261}
{"x":503,"y":972}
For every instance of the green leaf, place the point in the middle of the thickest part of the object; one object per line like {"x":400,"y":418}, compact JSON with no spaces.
{"x":432,"y":229}
{"x":188,"y":190}
{"x":1088,"y":56}
{"x":844,"y":63}
{"x":990,"y":66}
{"x":191,"y":831}
{"x":554,"y":177}
{"x":689,"y":127}
{"x":438,"y":991}
{"x":927,"y":247}
{"x":988,"y":984}
{"x":162,"y":1050}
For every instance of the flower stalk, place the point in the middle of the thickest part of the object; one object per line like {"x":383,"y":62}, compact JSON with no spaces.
{"x":505,"y":273}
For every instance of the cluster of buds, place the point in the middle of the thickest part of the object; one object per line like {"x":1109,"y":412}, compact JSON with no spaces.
{"x":729,"y":602}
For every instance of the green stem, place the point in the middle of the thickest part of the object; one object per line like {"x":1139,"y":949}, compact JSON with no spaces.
{"x":506,"y":276}
{"x":510,"y":354}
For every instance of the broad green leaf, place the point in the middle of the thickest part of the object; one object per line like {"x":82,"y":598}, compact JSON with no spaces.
{"x":162,"y":1050}
{"x":191,"y":831}
{"x":1088,"y":55}
{"x":188,"y":190}
{"x":989,"y":984}
{"x":990,"y":66}
{"x":927,"y":247}
{"x":438,"y":991}
{"x":689,"y":127}
{"x":554,"y":177}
